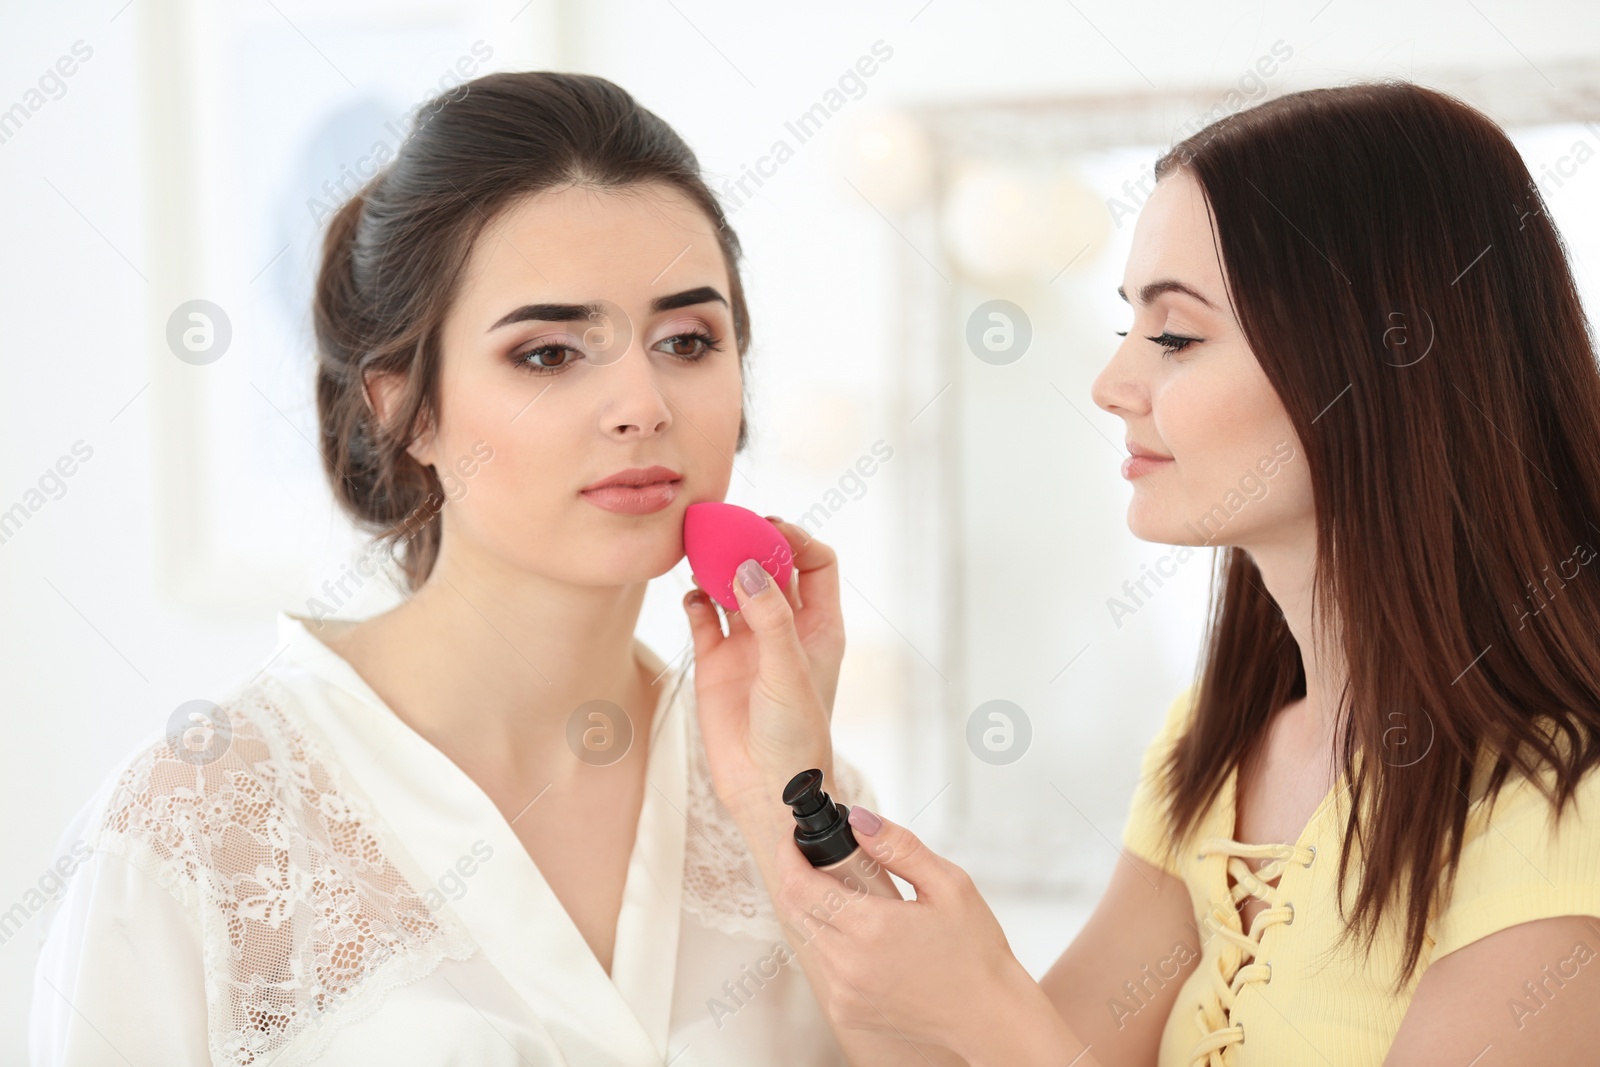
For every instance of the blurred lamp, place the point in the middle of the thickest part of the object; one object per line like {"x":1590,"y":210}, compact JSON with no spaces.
{"x":887,"y":157}
{"x":1000,"y":222}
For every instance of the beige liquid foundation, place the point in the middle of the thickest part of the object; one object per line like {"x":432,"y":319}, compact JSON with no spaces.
{"x":822,"y":830}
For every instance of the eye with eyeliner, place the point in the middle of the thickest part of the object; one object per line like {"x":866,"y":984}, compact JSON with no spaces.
{"x":525,"y":357}
{"x":530,"y":358}
{"x":1172,"y":342}
{"x":706,"y":342}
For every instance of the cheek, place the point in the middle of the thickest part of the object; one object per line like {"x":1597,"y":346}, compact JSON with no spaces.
{"x":1236,"y":448}
{"x":510,"y":462}
{"x":1220,"y":427}
{"x":707,"y":409}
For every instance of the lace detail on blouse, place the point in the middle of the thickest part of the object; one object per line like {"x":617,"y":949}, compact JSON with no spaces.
{"x":303,"y":918}
{"x":1232,"y":973}
{"x":721,"y":884}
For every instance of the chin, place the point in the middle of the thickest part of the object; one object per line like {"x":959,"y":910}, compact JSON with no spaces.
{"x":640,"y":558}
{"x":1163,"y":526}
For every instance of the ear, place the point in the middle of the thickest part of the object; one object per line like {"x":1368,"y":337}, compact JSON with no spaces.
{"x":385,"y":392}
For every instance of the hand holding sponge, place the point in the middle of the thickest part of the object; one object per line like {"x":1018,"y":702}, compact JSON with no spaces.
{"x":717,"y":537}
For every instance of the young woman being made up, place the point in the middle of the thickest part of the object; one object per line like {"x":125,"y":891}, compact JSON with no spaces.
{"x":1369,"y":832}
{"x":489,"y":826}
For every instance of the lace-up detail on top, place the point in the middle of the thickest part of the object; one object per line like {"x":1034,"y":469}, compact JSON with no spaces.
{"x":1237,"y":965}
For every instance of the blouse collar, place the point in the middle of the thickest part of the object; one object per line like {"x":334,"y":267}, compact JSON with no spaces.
{"x":439,"y":814}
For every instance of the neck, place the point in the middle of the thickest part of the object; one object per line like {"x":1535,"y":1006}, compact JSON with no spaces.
{"x":490,"y":662}
{"x":1287,"y":567}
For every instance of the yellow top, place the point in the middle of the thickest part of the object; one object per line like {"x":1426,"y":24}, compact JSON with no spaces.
{"x":1284,"y":993}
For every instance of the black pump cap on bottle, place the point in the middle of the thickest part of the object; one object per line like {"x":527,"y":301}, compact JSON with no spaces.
{"x":822,"y":828}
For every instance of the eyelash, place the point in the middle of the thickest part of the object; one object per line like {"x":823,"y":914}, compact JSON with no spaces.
{"x":521,"y":359}
{"x":1173,"y":343}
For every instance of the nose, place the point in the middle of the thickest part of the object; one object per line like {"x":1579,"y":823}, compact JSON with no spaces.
{"x":1118,"y":388}
{"x":633,"y":404}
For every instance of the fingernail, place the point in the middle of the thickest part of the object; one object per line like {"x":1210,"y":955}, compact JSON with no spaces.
{"x":753,"y":577}
{"x":773,"y":518}
{"x":694,"y":600}
{"x":865,"y":821}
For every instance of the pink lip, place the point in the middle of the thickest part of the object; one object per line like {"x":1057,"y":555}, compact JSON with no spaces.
{"x":638,"y":491}
{"x":1141,"y":463}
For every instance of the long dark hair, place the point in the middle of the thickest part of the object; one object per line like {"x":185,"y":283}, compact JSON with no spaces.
{"x":1396,"y":274}
{"x":393,"y":255}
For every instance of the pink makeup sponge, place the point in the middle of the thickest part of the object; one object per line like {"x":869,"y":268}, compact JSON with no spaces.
{"x":718,"y":537}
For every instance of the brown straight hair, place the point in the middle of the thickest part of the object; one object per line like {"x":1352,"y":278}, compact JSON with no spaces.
{"x":1395,"y":272}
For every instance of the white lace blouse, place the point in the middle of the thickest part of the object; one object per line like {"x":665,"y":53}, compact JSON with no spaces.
{"x":332,"y":888}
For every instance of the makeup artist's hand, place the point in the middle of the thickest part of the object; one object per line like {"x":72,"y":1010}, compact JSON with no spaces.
{"x":935,"y":970}
{"x":813,"y":593}
{"x":765,"y":689}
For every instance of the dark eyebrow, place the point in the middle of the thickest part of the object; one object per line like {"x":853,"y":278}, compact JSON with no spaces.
{"x":583,"y":312}
{"x":688,"y":298}
{"x":1149,"y":292}
{"x":546,"y":313}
